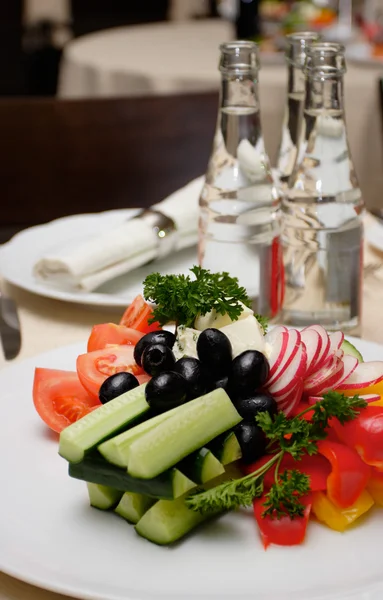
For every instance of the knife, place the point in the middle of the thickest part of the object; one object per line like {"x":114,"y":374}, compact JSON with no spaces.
{"x":10,"y":334}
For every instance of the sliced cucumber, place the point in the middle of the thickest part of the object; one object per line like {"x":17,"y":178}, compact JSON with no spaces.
{"x":89,"y":431}
{"x":201,"y":466}
{"x":168,"y":521}
{"x":95,"y":469}
{"x":350,"y":349}
{"x":133,"y":506}
{"x":116,"y":450}
{"x":102,"y":496}
{"x":190,"y":427}
{"x":226,"y":448}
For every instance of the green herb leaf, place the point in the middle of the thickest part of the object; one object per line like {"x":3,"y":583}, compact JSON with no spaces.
{"x":179,"y":298}
{"x":283,"y":497}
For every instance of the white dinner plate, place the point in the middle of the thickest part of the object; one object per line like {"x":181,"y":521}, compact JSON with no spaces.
{"x":374,"y":236}
{"x":50,"y":537}
{"x":361,"y":53}
{"x":19,"y":255}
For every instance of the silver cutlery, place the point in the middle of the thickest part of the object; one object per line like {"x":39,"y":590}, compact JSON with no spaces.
{"x":10,"y":333}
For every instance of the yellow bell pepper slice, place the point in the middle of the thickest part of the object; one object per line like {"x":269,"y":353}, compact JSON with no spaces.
{"x":376,"y":388}
{"x":376,"y":403}
{"x":339,"y":518}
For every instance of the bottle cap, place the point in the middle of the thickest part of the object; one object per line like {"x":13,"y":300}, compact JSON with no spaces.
{"x":239,"y":57}
{"x":297,"y":45}
{"x":325,"y":60}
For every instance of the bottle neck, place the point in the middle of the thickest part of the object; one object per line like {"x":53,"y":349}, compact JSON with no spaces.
{"x":325,"y":95}
{"x":296,"y":82}
{"x":239,"y":91}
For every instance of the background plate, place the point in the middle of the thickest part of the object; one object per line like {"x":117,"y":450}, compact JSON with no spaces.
{"x":51,"y":538}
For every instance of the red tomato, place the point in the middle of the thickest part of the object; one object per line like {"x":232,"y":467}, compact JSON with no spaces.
{"x":137,"y":316}
{"x":94,"y":367}
{"x":112,"y":334}
{"x":364,"y":434}
{"x":284,"y":531}
{"x":349,"y":474}
{"x":316,"y":467}
{"x":60,"y":399}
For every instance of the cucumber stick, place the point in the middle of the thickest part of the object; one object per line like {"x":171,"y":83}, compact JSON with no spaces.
{"x":190,"y":427}
{"x":102,"y":496}
{"x":95,"y":469}
{"x":116,"y":450}
{"x":133,"y":506}
{"x":226,"y":448}
{"x":201,"y":466}
{"x":89,"y":431}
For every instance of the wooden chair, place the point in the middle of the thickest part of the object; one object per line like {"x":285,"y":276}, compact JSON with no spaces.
{"x":62,"y":157}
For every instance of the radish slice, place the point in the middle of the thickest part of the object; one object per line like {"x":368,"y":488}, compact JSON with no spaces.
{"x":271,"y":336}
{"x":336,"y":340}
{"x":293,"y":345}
{"x":294,"y":373}
{"x":364,"y":375}
{"x":332,"y":366}
{"x":292,"y":401}
{"x":334,"y":381}
{"x":278,"y":351}
{"x":324,"y":351}
{"x":313,"y":343}
{"x":349,"y":363}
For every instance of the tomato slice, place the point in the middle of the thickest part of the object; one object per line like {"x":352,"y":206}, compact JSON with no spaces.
{"x":60,"y":399}
{"x":284,"y":531}
{"x":137,"y":316}
{"x":94,"y":367}
{"x":112,"y":334}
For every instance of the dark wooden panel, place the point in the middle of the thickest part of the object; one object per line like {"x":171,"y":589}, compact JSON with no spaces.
{"x":64,"y":157}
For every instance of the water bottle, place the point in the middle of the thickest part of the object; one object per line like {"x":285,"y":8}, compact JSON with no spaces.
{"x":296,"y":48}
{"x":323,"y":208}
{"x":239,"y":225}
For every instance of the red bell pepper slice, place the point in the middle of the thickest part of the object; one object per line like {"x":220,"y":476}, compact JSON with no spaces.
{"x":375,"y":486}
{"x":316,"y":467}
{"x":349,"y":474}
{"x":284,"y":531}
{"x":364,"y":434}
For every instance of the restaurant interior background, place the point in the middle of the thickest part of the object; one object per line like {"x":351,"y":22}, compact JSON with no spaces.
{"x":73,"y":149}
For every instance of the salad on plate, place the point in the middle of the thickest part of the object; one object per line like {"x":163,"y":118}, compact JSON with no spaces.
{"x":189,"y":408}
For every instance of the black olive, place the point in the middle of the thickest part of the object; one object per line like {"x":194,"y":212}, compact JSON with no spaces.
{"x":154,"y":337}
{"x":249,"y":371}
{"x":252,"y":441}
{"x":115,"y":385}
{"x":166,"y":391}
{"x":157,"y":358}
{"x":248,"y":408}
{"x":191,"y":369}
{"x":214,"y":350}
{"x":221,"y":382}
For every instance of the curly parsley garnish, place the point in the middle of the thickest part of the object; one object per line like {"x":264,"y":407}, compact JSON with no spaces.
{"x":293,"y":436}
{"x":180,"y":299}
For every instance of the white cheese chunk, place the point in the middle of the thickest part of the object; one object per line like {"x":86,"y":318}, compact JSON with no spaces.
{"x":186,"y":342}
{"x":245,"y":334}
{"x":216,"y":320}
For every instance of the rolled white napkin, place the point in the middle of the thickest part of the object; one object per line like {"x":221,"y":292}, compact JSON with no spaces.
{"x":124,"y":248}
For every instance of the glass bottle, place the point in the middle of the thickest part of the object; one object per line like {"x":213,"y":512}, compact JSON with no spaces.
{"x":322,"y":212}
{"x":296,"y":48}
{"x":239,"y":205}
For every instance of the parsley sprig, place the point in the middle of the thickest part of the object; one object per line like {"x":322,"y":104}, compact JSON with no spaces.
{"x":180,"y":298}
{"x":293,"y":436}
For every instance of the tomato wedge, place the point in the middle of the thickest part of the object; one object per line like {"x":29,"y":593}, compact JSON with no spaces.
{"x":94,"y":367}
{"x":111,"y":334}
{"x":137,"y":316}
{"x":60,"y":399}
{"x":284,"y":531}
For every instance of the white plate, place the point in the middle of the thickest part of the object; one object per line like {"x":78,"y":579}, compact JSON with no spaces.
{"x":51,"y":538}
{"x":374,"y":236}
{"x":19,"y":255}
{"x":361,"y":53}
